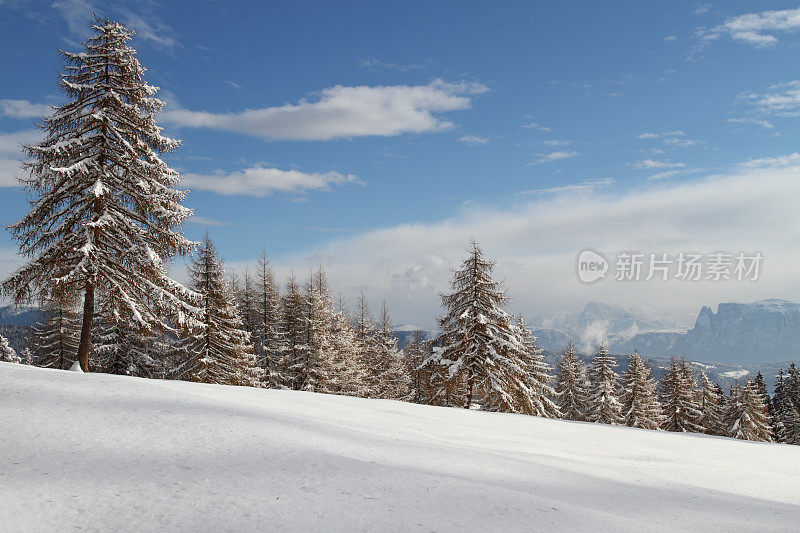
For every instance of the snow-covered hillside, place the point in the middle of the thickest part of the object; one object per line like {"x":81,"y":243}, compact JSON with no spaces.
{"x":99,"y":452}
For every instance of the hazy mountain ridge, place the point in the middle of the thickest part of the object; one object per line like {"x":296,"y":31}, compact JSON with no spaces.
{"x":738,"y":333}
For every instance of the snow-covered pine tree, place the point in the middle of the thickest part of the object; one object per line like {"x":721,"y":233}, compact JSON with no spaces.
{"x":292,"y":336}
{"x":105,"y":208}
{"x":390,"y":378}
{"x":416,"y":351}
{"x":120,"y":347}
{"x":247,"y":300}
{"x":478,"y":344}
{"x":56,"y":340}
{"x":793,"y":385}
{"x":364,"y":327}
{"x":536,"y":396}
{"x":268,"y":327}
{"x":7,"y":353}
{"x":746,"y":417}
{"x":603,"y":405}
{"x":27,"y":356}
{"x":679,"y":399}
{"x":348,"y":376}
{"x":640,"y":405}
{"x":571,"y":385}
{"x":786,"y":418}
{"x":710,"y":405}
{"x":219,"y":351}
{"x":316,"y":367}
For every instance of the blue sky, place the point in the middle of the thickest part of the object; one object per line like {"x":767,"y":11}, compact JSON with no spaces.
{"x":378,"y":137}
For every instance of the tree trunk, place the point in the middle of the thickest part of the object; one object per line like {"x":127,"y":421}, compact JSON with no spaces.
{"x":86,"y":329}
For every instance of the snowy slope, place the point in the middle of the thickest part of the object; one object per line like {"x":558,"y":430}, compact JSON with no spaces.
{"x":100,"y":452}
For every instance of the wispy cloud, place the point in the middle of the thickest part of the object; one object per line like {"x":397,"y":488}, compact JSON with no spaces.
{"x":649,"y":164}
{"x":748,"y":120}
{"x":649,"y":135}
{"x":536,"y":126}
{"x":474,"y":140}
{"x":378,"y":64}
{"x":22,"y":109}
{"x":756,"y":29}
{"x":782,"y":99}
{"x":344,"y":112}
{"x":11,"y":154}
{"x":263,"y":181}
{"x":557,"y":143}
{"x":203,"y":221}
{"x":555,"y":156}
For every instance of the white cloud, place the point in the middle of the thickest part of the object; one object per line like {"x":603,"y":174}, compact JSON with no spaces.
{"x":670,"y":38}
{"x":555,"y":156}
{"x":536,"y":242}
{"x":473,"y":140}
{"x":536,"y":126}
{"x":782,"y":99}
{"x":702,"y":9}
{"x":647,"y":164}
{"x":150,"y":28}
{"x":648,"y":135}
{"x":77,"y":14}
{"x":22,"y":109}
{"x":203,"y":221}
{"x":748,"y":120}
{"x":683,"y":143}
{"x":262,"y":181}
{"x":557,"y":143}
{"x":11,"y":154}
{"x":757,"y":29}
{"x":344,"y":112}
{"x":378,"y":64}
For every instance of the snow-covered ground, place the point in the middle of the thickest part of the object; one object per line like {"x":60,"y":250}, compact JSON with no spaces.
{"x":86,"y":452}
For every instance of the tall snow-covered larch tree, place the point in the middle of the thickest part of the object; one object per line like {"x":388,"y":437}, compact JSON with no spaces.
{"x":603,"y":405}
{"x":710,"y":401}
{"x":571,"y":385}
{"x":268,"y":325}
{"x":219,"y":351}
{"x":679,"y":399}
{"x":479,"y":345}
{"x":536,"y":396}
{"x":389,"y":376}
{"x":416,"y":351}
{"x":105,"y":209}
{"x":348,"y":376}
{"x":640,"y":406}
{"x":292,"y":343}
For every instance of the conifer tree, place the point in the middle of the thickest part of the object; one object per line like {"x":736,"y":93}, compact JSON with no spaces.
{"x":746,"y":417}
{"x":56,"y":340}
{"x":348,"y":375}
{"x":105,"y":208}
{"x":535,"y":395}
{"x":603,"y":405}
{"x":268,"y":325}
{"x":219,"y":351}
{"x":679,"y":399}
{"x":415,"y":354}
{"x":710,"y":406}
{"x":571,"y":385}
{"x":364,"y":327}
{"x":389,"y":377}
{"x":317,"y":365}
{"x":786,"y":417}
{"x":121,"y":348}
{"x":292,"y":337}
{"x":479,"y":345}
{"x":793,"y":385}
{"x":640,"y":405}
{"x":7,"y":353}
{"x":27,"y":356}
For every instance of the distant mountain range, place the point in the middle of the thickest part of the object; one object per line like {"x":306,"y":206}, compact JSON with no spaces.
{"x":763,"y":331}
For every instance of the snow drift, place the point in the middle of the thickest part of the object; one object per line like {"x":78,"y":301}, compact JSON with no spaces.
{"x":101,"y":452}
